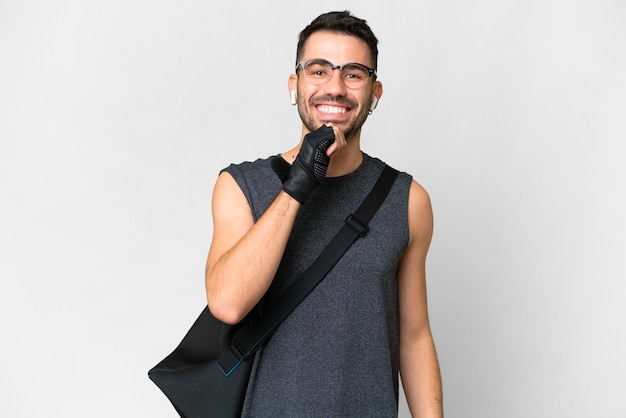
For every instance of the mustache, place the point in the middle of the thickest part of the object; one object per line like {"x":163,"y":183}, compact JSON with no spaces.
{"x":328,"y":99}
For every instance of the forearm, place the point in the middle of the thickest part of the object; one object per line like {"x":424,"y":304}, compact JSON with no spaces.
{"x":421,"y":378}
{"x":241,"y":275}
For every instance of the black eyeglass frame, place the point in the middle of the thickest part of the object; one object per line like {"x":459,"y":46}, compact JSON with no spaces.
{"x":370,"y":71}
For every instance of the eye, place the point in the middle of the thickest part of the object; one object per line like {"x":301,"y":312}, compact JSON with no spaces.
{"x":355,"y":72}
{"x":317,"y":69}
{"x":354,"y":76}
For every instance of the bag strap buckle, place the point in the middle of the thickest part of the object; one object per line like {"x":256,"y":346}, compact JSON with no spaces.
{"x":358,"y":226}
{"x":231,"y":358}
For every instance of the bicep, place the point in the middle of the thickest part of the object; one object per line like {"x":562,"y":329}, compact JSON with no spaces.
{"x":412,"y":269}
{"x":232,"y":217}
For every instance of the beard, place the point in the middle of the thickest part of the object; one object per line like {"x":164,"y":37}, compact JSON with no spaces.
{"x":350,"y":131}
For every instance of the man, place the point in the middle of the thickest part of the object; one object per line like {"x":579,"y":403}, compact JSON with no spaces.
{"x":339,"y":353}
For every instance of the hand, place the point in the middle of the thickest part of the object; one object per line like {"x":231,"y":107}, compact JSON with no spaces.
{"x":340,"y":141}
{"x":309,"y":168}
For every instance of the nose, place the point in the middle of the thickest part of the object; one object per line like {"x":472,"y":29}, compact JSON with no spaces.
{"x":335,"y":85}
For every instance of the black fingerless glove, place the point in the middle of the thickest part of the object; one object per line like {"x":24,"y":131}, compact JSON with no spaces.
{"x":309,"y":167}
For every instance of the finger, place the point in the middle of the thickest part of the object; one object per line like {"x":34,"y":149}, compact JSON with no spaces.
{"x":340,"y":139}
{"x":331,"y":150}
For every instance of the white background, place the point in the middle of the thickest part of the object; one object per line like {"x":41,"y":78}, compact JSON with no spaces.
{"x":116,"y":116}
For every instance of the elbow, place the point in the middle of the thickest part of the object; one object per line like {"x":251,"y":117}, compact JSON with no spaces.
{"x":225,"y":314}
{"x":224,"y":308}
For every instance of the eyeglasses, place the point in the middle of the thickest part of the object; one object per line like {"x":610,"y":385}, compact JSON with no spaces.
{"x":319,"y":71}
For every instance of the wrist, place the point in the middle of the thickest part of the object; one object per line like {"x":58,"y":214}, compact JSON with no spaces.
{"x":300,"y":183}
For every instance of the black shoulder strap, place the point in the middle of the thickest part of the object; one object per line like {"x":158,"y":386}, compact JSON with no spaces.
{"x":249,"y":339}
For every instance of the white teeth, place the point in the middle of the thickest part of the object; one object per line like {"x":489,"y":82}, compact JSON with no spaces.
{"x":332,"y":109}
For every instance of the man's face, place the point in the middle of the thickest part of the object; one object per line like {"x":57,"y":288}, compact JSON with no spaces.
{"x":333,"y":103}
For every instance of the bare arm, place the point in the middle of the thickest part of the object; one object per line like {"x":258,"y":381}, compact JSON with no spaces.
{"x":419,"y":367}
{"x":244,"y":255}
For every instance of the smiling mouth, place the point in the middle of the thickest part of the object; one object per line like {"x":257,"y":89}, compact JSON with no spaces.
{"x":328,"y":109}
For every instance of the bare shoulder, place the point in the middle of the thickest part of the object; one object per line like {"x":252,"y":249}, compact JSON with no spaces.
{"x":232,"y":216}
{"x":418,"y":195}
{"x":226,"y":188}
{"x":229,"y":203}
{"x":420,"y":214}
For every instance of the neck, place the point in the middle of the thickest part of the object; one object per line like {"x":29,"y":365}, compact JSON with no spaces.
{"x":346,"y":160}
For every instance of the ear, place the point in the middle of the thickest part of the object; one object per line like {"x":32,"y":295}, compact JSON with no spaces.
{"x":292,"y":84}
{"x":377,"y":90}
{"x":377,"y":93}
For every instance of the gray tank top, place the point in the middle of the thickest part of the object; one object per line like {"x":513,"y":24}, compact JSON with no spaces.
{"x":336,"y":355}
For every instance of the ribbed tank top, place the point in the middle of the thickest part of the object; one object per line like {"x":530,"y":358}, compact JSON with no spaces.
{"x":336,"y":355}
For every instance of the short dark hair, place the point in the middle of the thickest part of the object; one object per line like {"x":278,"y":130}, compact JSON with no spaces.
{"x":342,"y":22}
